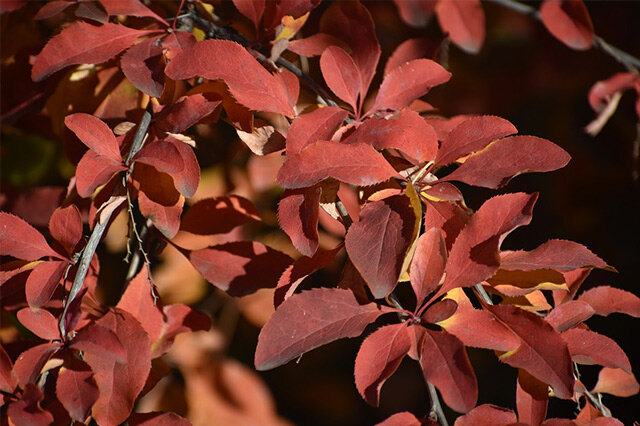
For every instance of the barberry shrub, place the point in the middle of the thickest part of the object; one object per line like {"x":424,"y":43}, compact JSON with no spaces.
{"x":371,"y":180}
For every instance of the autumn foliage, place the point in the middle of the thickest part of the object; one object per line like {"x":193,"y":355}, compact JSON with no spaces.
{"x":366,"y":180}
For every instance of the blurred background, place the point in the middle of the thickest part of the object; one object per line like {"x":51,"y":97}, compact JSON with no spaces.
{"x":522,"y":74}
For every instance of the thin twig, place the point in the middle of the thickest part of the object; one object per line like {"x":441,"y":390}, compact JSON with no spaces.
{"x":135,"y":261}
{"x":483,"y":294}
{"x":98,"y":229}
{"x":436,"y":407}
{"x":597,"y":402}
{"x":630,"y":62}
{"x":134,"y":265}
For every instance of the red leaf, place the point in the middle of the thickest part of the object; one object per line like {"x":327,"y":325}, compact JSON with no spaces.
{"x":356,"y":164}
{"x":43,"y":282}
{"x":311,"y":319}
{"x":298,"y":271}
{"x":187,"y":111}
{"x":130,"y":8}
{"x":559,"y":255}
{"x":429,"y":261}
{"x":298,"y":213}
{"x":615,"y":381}
{"x":77,"y":390}
{"x":408,"y":50}
{"x":315,"y":44}
{"x":474,"y":255}
{"x":251,"y":84}
{"x":569,"y":22}
{"x":377,"y":244}
{"x":138,"y":301}
{"x":83,"y":43}
{"x":315,"y":126}
{"x":178,"y":41}
{"x":158,"y":199}
{"x":252,"y":9}
{"x":445,"y":364}
{"x":351,"y":22}
{"x":40,"y":322}
{"x":120,"y":383}
{"x":51,"y":9}
{"x":440,"y":311}
{"x":21,"y":240}
{"x":409,"y":82}
{"x":487,"y":415}
{"x":415,"y":13}
{"x":179,"y":319}
{"x":94,"y":171}
{"x":404,"y":418}
{"x":96,"y":339}
{"x":27,"y":410}
{"x":378,"y":358}
{"x":186,"y":180}
{"x":407,"y":132}
{"x":532,"y":397}
{"x":240,"y":267}
{"x":162,"y":155}
{"x":143,"y":65}
{"x":589,"y":347}
{"x":65,"y":226}
{"x":542,"y":352}
{"x":95,"y":134}
{"x":91,"y":11}
{"x":450,"y":217}
{"x":477,"y":328}
{"x":342,"y":75}
{"x":8,"y":380}
{"x":164,"y":217}
{"x":218,"y":215}
{"x":471,"y":135}
{"x":464,"y":22}
{"x":157,"y":418}
{"x":602,"y":90}
{"x":506,"y":158}
{"x":275,"y":12}
{"x":29,"y":364}
{"x":606,"y":300}
{"x":569,"y":314}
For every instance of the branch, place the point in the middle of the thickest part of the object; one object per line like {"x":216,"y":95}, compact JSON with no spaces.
{"x":99,"y":228}
{"x":630,"y":62}
{"x":483,"y":294}
{"x":436,"y":412}
{"x":436,"y":407}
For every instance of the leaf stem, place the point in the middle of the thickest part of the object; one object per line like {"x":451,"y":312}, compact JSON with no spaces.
{"x":98,"y":230}
{"x":630,"y":62}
